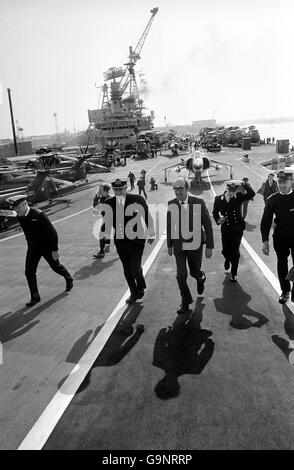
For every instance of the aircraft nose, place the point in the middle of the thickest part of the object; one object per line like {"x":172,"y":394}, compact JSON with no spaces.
{"x":198,"y":163}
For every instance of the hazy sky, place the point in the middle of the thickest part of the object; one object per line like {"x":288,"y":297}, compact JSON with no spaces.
{"x":228,"y":59}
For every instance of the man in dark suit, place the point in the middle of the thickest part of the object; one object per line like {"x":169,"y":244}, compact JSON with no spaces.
{"x":129,"y":216}
{"x":270,"y":187}
{"x":42,"y":240}
{"x":188,"y":228}
{"x":227,"y":213}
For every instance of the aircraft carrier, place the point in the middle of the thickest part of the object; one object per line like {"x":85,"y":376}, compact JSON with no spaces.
{"x":79,"y":371}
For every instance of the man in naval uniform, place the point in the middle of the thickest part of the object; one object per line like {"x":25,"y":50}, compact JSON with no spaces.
{"x":100,"y":197}
{"x":127,"y":213}
{"x":280,"y":204}
{"x":42,"y":240}
{"x":227,"y":213}
{"x":182,"y":210}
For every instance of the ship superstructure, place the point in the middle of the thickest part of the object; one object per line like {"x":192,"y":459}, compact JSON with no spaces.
{"x":121,"y":118}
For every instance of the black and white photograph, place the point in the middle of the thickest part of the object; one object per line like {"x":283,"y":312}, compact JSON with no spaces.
{"x":146,"y":228}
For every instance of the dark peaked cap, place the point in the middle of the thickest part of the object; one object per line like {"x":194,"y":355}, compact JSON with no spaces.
{"x":15,"y":200}
{"x":285,"y":175}
{"x":233,"y":183}
{"x":119,"y":183}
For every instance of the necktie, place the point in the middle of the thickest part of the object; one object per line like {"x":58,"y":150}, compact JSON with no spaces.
{"x":120,"y":219}
{"x":184,"y":221}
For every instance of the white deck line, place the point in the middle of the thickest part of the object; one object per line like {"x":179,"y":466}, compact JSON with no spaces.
{"x":273,"y":280}
{"x":56,"y":222}
{"x":248,"y":166}
{"x":72,"y":215}
{"x":40,"y":432}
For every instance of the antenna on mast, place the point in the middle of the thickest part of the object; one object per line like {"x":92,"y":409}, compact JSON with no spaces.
{"x":57,"y":130}
{"x":12,"y":122}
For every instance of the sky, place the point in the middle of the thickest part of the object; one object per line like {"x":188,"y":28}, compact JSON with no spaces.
{"x":202,"y":59}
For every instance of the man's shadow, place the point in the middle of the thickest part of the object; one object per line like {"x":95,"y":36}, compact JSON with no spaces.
{"x":183,"y":348}
{"x":119,"y":344}
{"x":81,"y":345}
{"x":14,"y":324}
{"x":234,"y":303}
{"x":284,"y":344}
{"x":95,"y":268}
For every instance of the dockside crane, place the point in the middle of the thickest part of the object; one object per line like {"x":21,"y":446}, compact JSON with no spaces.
{"x":128,"y":78}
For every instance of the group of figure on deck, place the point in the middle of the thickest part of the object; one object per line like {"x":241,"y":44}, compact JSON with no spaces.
{"x":188,"y":229}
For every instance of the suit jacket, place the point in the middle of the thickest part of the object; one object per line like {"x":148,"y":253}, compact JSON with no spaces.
{"x":174,"y":229}
{"x":268,"y":190}
{"x":131,"y":223}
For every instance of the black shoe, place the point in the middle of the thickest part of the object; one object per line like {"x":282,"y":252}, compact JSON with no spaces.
{"x":200,"y":284}
{"x":292,"y":295}
{"x":140,"y":294}
{"x":132,"y":299}
{"x":69,"y":285}
{"x":182,"y":308}
{"x":284,"y":297}
{"x":227,"y":264}
{"x":233,"y":278}
{"x":33,"y":301}
{"x":99,"y":255}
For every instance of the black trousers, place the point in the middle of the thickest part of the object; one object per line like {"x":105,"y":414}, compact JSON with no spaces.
{"x":283,"y":249}
{"x":231,"y":241}
{"x":194,"y":259}
{"x":103,"y":241}
{"x":130,"y":255}
{"x":244,"y":208}
{"x":144,"y":192}
{"x":32,"y":260}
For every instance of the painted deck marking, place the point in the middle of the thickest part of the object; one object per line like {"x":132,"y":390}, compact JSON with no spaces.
{"x":44,"y":426}
{"x":273,"y":280}
{"x":72,"y":215}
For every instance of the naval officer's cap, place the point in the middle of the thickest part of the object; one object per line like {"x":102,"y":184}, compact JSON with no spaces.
{"x":15,"y":200}
{"x":284,"y":175}
{"x":233,"y":184}
{"x":118,"y":183}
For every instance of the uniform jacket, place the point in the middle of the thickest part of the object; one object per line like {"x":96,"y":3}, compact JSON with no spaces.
{"x":141,"y":184}
{"x":39,"y":231}
{"x":174,"y":223}
{"x":232,"y":209}
{"x":139,"y":206}
{"x":283,"y":207}
{"x":132,"y":177}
